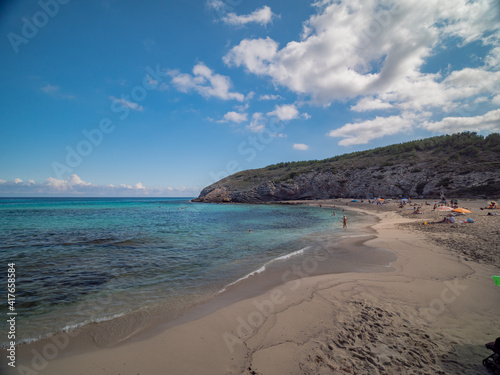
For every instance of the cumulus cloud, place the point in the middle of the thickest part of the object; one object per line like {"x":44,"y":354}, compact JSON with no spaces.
{"x":374,"y":52}
{"x":236,"y":117}
{"x":75,"y":186}
{"x":364,"y":131}
{"x":270,"y":97}
{"x":363,"y":48}
{"x":261,"y":16}
{"x":496,"y":100}
{"x":300,"y":147}
{"x":285,"y":112}
{"x":370,"y":104}
{"x":70,"y":183}
{"x":493,"y":58}
{"x":206,"y":83}
{"x":257,"y":124}
{"x":488,"y":122}
{"x":254,"y":54}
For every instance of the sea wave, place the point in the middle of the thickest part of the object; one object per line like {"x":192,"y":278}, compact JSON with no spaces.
{"x":67,"y":328}
{"x":263,"y":268}
{"x":290,"y":255}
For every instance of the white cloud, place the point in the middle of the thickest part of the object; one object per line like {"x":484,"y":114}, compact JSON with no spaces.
{"x":364,"y":131}
{"x":370,"y":104}
{"x":49,"y":89}
{"x":255,"y":54}
{"x":152,"y":83}
{"x":206,"y":83}
{"x":234,"y":117}
{"x":261,"y":16}
{"x":285,"y":112}
{"x":300,"y":146}
{"x":128,"y":104}
{"x":71,"y":182}
{"x":75,"y":186}
{"x":216,"y":4}
{"x":496,"y":100}
{"x":270,"y":97}
{"x":488,"y":122}
{"x":257,"y":124}
{"x":55,"y":91}
{"x":374,"y":51}
{"x":493,"y":59}
{"x":250,"y":95}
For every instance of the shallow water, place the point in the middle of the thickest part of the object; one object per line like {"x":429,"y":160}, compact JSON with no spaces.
{"x":93,"y":259}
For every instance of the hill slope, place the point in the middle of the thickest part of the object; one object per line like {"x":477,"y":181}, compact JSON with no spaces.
{"x":459,"y":165}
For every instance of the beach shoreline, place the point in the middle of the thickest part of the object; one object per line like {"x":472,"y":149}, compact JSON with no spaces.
{"x":338,"y":322}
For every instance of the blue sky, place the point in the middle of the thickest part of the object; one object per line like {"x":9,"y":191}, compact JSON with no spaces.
{"x":162,"y":98}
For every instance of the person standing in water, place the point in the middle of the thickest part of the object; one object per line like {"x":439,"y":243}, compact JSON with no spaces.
{"x":345,"y":222}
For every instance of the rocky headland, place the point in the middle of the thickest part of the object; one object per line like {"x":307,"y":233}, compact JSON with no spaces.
{"x":458,"y":165}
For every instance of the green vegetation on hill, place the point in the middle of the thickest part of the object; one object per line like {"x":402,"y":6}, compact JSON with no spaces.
{"x":459,"y":153}
{"x":467,"y":145}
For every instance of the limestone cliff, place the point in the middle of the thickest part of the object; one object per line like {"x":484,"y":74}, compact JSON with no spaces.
{"x":459,"y":165}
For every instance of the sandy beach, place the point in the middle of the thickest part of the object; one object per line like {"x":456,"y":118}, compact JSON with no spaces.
{"x":430,"y":312}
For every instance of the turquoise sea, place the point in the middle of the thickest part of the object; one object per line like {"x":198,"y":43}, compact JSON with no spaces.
{"x":84,"y":260}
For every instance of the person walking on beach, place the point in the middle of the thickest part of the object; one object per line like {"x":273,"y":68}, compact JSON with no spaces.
{"x":345,"y":222}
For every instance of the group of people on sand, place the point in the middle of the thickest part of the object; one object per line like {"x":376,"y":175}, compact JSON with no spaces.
{"x":491,"y":206}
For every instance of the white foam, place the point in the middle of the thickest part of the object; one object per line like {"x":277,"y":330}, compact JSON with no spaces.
{"x":288,"y":256}
{"x":68,"y":328}
{"x":72,"y":327}
{"x":263,"y":268}
{"x":355,"y":235}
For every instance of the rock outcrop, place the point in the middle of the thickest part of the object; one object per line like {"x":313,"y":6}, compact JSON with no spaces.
{"x":427,"y":173}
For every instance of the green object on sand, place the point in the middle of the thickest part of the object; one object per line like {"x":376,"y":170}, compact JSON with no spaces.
{"x":497,"y":280}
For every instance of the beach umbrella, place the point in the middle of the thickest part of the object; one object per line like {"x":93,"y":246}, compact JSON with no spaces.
{"x":444,"y":208}
{"x":463,"y":210}
{"x":380,"y":199}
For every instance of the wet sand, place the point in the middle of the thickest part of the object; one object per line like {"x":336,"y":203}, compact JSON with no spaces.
{"x":431,"y":311}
